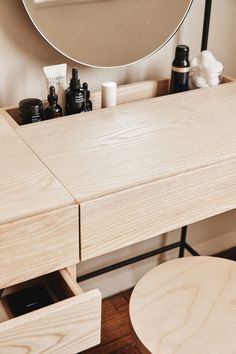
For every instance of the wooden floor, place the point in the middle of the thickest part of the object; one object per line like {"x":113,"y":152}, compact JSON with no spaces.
{"x":116,"y":336}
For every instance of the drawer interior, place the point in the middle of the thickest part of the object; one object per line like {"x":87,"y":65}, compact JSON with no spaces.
{"x":58,"y":285}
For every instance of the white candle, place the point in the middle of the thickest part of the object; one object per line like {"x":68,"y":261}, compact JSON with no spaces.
{"x":109,"y":94}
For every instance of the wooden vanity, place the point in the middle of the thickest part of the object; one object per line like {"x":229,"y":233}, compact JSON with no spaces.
{"x":82,"y":186}
{"x":39,"y":231}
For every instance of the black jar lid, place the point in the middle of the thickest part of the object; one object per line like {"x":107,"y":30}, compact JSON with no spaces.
{"x":30,"y":105}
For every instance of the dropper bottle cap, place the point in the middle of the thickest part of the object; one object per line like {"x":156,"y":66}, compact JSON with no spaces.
{"x":52,"y":97}
{"x":75,"y":81}
{"x":85,"y":87}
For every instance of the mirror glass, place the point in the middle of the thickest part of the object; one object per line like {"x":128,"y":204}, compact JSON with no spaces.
{"x":107,"y":33}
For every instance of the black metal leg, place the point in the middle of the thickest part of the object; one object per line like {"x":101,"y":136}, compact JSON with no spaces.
{"x":129,"y":261}
{"x":182,"y":245}
{"x":206,"y":24}
{"x":183,"y":241}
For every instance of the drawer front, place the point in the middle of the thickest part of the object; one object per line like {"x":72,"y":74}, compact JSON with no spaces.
{"x":136,"y":214}
{"x":66,"y":327}
{"x":38,"y":245}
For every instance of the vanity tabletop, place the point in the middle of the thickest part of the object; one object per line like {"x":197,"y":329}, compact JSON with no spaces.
{"x":27,"y":187}
{"x":118,"y":148}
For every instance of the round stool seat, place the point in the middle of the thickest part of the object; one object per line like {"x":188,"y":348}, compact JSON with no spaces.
{"x":186,"y":306}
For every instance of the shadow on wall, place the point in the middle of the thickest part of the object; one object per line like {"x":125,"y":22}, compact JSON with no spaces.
{"x":18,"y":27}
{"x":23,"y":51}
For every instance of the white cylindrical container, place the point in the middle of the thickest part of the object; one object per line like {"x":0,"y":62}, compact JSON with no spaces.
{"x":109,"y":94}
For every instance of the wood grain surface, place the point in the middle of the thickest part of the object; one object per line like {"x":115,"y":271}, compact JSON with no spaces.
{"x":38,"y":245}
{"x":141,"y":169}
{"x":117,"y":148}
{"x":121,"y":219}
{"x":27,"y":187}
{"x":135,"y":92}
{"x":187,"y":306}
{"x":66,"y":327}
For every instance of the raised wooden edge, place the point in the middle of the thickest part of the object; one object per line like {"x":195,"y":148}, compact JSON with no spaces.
{"x":73,"y":271}
{"x":11,"y":118}
{"x":74,"y":287}
{"x":125,"y":94}
{"x":135,"y":92}
{"x":226,"y":79}
{"x":38,"y":245}
{"x":66,"y":327}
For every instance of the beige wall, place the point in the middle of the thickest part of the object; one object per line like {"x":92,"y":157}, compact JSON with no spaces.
{"x":114,"y":42}
{"x":23,"y":54}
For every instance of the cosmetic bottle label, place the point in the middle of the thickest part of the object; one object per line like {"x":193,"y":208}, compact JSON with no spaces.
{"x":79,"y":99}
{"x":180,"y":70}
{"x":36,"y":118}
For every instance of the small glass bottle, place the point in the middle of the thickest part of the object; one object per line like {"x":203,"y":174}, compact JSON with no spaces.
{"x":180,"y":70}
{"x":88,"y":105}
{"x":53,"y":110}
{"x":74,"y":95}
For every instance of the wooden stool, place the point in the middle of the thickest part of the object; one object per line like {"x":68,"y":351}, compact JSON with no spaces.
{"x":186,"y":306}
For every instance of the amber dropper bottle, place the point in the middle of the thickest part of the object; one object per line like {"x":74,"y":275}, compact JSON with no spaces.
{"x":53,"y":110}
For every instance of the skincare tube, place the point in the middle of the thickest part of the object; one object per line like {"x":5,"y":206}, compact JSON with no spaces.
{"x":109,"y":93}
{"x":56,"y":76}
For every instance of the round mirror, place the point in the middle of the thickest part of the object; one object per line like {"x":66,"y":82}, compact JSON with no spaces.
{"x":107,"y":33}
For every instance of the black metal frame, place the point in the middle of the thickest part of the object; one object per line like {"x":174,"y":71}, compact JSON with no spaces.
{"x":206,"y":24}
{"x":182,"y":244}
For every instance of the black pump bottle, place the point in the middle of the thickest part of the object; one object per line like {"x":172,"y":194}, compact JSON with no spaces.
{"x":180,"y":70}
{"x":53,"y":110}
{"x":74,"y":95}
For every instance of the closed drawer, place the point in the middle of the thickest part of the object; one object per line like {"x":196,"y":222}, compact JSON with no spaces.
{"x":121,"y":219}
{"x":38,"y":245}
{"x":69,"y":325}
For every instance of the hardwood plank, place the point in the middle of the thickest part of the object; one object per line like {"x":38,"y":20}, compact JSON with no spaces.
{"x":115,"y":324}
{"x":127,"y":294}
{"x":115,"y":319}
{"x":118,"y":346}
{"x":131,"y":348}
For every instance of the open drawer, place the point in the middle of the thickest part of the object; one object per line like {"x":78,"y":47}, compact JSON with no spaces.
{"x":69,"y":325}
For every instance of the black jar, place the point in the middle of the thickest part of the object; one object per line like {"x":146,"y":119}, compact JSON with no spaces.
{"x":31,"y":110}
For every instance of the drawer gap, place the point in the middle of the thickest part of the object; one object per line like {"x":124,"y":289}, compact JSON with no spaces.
{"x":59,"y":286}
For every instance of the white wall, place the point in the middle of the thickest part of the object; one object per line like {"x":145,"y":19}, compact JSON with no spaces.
{"x":23,"y":54}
